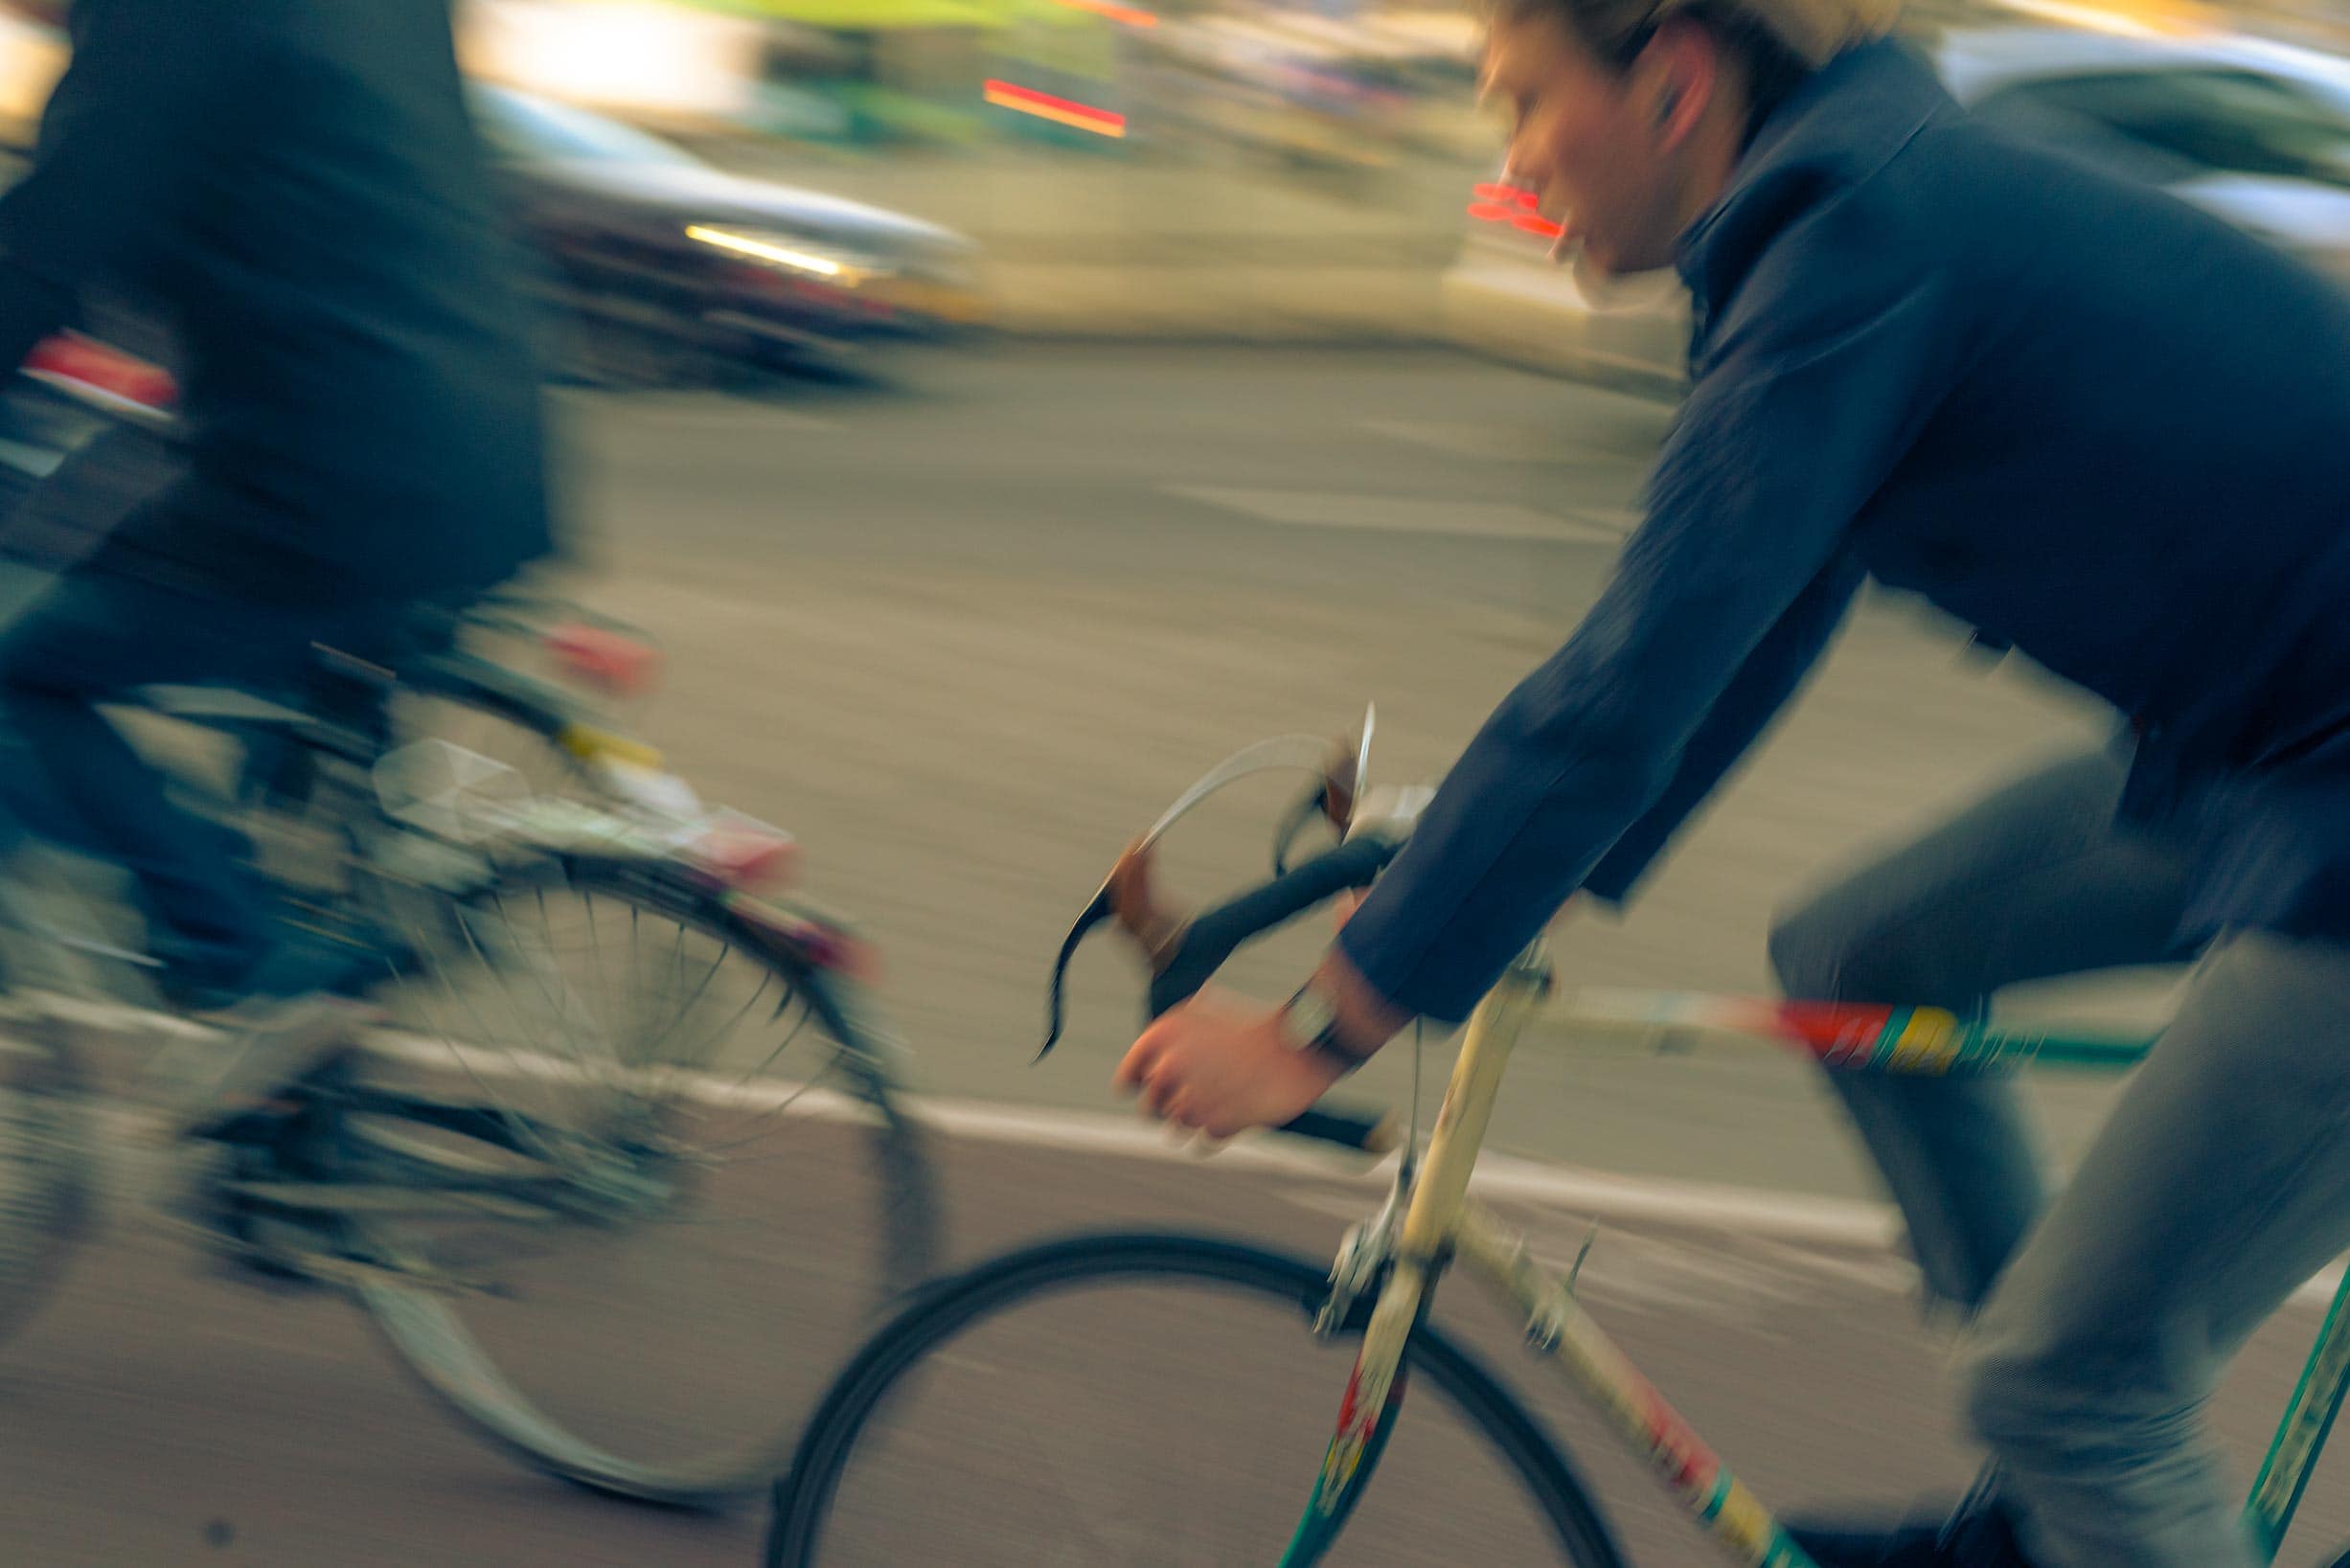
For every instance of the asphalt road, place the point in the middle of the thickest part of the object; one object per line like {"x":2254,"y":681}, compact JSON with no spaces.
{"x":163,"y":1414}
{"x":964,"y":633}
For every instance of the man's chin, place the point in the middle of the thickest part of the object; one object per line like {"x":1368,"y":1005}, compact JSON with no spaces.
{"x":1588,"y":258}
{"x":1592,"y":268}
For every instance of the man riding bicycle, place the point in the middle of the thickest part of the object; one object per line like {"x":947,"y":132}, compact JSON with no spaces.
{"x":2113,"y":434}
{"x":295,"y":189}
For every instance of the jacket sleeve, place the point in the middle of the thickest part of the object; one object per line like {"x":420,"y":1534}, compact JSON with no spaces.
{"x":1773,"y":674}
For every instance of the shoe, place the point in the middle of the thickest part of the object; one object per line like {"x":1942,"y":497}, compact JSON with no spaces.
{"x":1979,"y":1537}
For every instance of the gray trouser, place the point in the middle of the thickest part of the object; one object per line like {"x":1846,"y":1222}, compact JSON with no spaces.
{"x":2222,"y":1182}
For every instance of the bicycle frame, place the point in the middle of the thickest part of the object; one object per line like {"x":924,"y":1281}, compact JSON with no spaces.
{"x":1441,"y":1224}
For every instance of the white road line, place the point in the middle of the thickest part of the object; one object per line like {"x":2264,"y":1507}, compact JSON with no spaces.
{"x":1599,"y":1193}
{"x":1596,"y":1195}
{"x":1400,"y":514}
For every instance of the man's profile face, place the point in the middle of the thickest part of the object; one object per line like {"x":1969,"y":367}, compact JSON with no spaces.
{"x":1583,"y":140}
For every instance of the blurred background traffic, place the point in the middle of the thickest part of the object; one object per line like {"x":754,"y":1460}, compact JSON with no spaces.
{"x":743,"y":185}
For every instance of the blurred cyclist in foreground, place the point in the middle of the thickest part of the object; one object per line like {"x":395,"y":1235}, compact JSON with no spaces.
{"x":295,"y":188}
{"x":2109,"y":432}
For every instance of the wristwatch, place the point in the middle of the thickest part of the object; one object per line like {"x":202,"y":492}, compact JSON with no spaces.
{"x":1309,"y":1027}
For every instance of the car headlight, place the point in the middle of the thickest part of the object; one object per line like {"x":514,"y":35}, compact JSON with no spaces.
{"x":789,"y":252}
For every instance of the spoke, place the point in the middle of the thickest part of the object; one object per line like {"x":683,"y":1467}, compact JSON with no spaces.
{"x":758,"y":1069}
{"x":595,"y":940}
{"x":685,"y":1008}
{"x":595,"y":957}
{"x":547,"y":990}
{"x":527,"y":1037}
{"x":676,"y":964}
{"x":694,"y":1056}
{"x":761,"y":1123}
{"x":527,"y":1123}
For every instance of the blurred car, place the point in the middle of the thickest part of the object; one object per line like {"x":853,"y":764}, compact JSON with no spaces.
{"x":2258,"y":133}
{"x":657,"y":258}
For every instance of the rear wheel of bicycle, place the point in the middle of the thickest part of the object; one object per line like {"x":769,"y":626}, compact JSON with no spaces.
{"x":44,"y":1166}
{"x":693,"y":1188}
{"x":1155,"y":1400}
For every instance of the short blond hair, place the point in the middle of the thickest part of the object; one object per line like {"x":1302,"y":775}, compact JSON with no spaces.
{"x":1808,"y":33}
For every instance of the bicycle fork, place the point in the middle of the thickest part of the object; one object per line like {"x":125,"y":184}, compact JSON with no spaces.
{"x":1375,"y":1390}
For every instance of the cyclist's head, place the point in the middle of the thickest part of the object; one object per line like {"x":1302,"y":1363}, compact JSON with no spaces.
{"x":1626,"y":115}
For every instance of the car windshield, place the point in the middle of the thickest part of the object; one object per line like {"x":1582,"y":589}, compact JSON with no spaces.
{"x":2217,"y":120}
{"x":537,"y":130}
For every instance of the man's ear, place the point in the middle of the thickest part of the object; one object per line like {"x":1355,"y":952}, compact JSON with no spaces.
{"x":1677,"y":73}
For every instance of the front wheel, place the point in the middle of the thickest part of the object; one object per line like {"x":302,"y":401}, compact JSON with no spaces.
{"x":1154,"y":1399}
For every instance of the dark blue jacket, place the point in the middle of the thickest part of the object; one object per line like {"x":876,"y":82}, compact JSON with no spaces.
{"x":296,"y":187}
{"x":2098,"y":424}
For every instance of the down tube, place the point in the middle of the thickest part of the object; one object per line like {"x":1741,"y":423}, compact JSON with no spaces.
{"x":2302,"y":1435}
{"x":1649,"y":1426}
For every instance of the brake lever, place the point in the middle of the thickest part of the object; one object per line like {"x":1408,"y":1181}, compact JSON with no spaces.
{"x":1055,"y":1008}
{"x":1125,"y":891}
{"x":1125,"y":894}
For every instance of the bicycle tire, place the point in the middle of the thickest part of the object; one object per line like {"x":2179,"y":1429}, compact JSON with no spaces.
{"x":428,"y":1333}
{"x":803,"y":1496}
